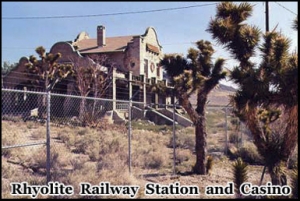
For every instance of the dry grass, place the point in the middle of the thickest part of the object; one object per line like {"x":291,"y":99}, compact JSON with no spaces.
{"x":99,"y":155}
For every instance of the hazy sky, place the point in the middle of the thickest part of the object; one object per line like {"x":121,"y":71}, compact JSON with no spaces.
{"x":176,"y":28}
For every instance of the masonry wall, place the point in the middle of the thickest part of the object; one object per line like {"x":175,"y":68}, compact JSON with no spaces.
{"x":152,"y":58}
{"x":132,"y":57}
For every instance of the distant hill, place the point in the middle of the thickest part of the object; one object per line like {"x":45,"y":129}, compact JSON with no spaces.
{"x":218,"y":96}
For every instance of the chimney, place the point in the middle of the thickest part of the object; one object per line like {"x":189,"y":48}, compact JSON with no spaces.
{"x":101,"y":36}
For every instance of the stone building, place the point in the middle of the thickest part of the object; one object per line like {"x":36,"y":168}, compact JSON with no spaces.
{"x":136,"y":64}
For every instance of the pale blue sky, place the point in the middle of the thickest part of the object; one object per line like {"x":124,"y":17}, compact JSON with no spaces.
{"x":176,"y":29}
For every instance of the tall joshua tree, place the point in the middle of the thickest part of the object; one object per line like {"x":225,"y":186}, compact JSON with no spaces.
{"x":267,"y":89}
{"x":195,"y":73}
{"x":46,"y":72}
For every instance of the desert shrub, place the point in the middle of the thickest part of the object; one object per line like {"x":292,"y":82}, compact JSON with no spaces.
{"x":7,"y":140}
{"x":97,"y":145}
{"x":150,"y":126}
{"x":38,"y":159}
{"x":249,"y":154}
{"x":77,"y":164}
{"x":82,"y":131}
{"x":86,"y":173}
{"x":83,"y":143}
{"x":182,"y":155}
{"x":67,"y":137}
{"x":93,"y":151}
{"x":30,"y":125}
{"x":220,"y":125}
{"x":111,"y":162}
{"x":154,"y":160}
{"x":36,"y":181}
{"x":139,"y":153}
{"x":234,"y":138}
{"x":12,"y":118}
{"x":209,"y":164}
{"x":38,"y":134}
{"x":7,"y":170}
{"x":183,"y":140}
{"x":217,"y":147}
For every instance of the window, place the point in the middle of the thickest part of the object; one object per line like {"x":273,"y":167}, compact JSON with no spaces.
{"x":152,"y":67}
{"x":146,"y":68}
{"x":132,"y":64}
{"x":158,"y":71}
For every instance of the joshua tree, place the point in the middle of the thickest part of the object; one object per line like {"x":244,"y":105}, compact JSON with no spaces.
{"x":46,"y":72}
{"x":268,"y":90}
{"x":195,"y":73}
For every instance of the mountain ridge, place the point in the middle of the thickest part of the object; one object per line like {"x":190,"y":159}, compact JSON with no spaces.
{"x":219,"y":96}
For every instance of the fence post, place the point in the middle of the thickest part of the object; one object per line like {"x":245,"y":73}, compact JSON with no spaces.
{"x":144,"y":90}
{"x":114,"y":86}
{"x":129,"y":135}
{"x":226,"y":137}
{"x":174,"y":144}
{"x":129,"y":121}
{"x":48,"y":162}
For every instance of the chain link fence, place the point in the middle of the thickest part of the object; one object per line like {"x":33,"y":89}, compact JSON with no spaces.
{"x":87,"y":140}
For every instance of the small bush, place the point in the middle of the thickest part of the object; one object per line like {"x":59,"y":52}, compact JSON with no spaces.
{"x":111,"y":162}
{"x":67,"y":137}
{"x":7,"y":170}
{"x":82,"y":132}
{"x":182,"y":155}
{"x":250,"y":154}
{"x":234,"y":138}
{"x":7,"y":140}
{"x":77,"y":164}
{"x":12,"y":118}
{"x":82,"y":144}
{"x":215,"y":148}
{"x":38,"y":134}
{"x":154,"y":161}
{"x":209,"y":164}
{"x":220,"y":125}
{"x":183,"y":140}
{"x":93,"y":152}
{"x":38,"y":160}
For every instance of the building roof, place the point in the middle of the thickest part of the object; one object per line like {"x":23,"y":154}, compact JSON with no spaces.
{"x":113,"y":44}
{"x":152,"y":48}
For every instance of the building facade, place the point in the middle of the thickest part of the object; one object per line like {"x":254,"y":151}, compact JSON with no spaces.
{"x":136,"y":61}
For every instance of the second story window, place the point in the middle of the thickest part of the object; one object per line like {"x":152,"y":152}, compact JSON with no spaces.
{"x":158,"y":71}
{"x":152,"y":67}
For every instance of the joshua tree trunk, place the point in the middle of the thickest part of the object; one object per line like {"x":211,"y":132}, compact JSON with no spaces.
{"x":198,"y":118}
{"x":82,"y":110}
{"x":201,"y":136}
